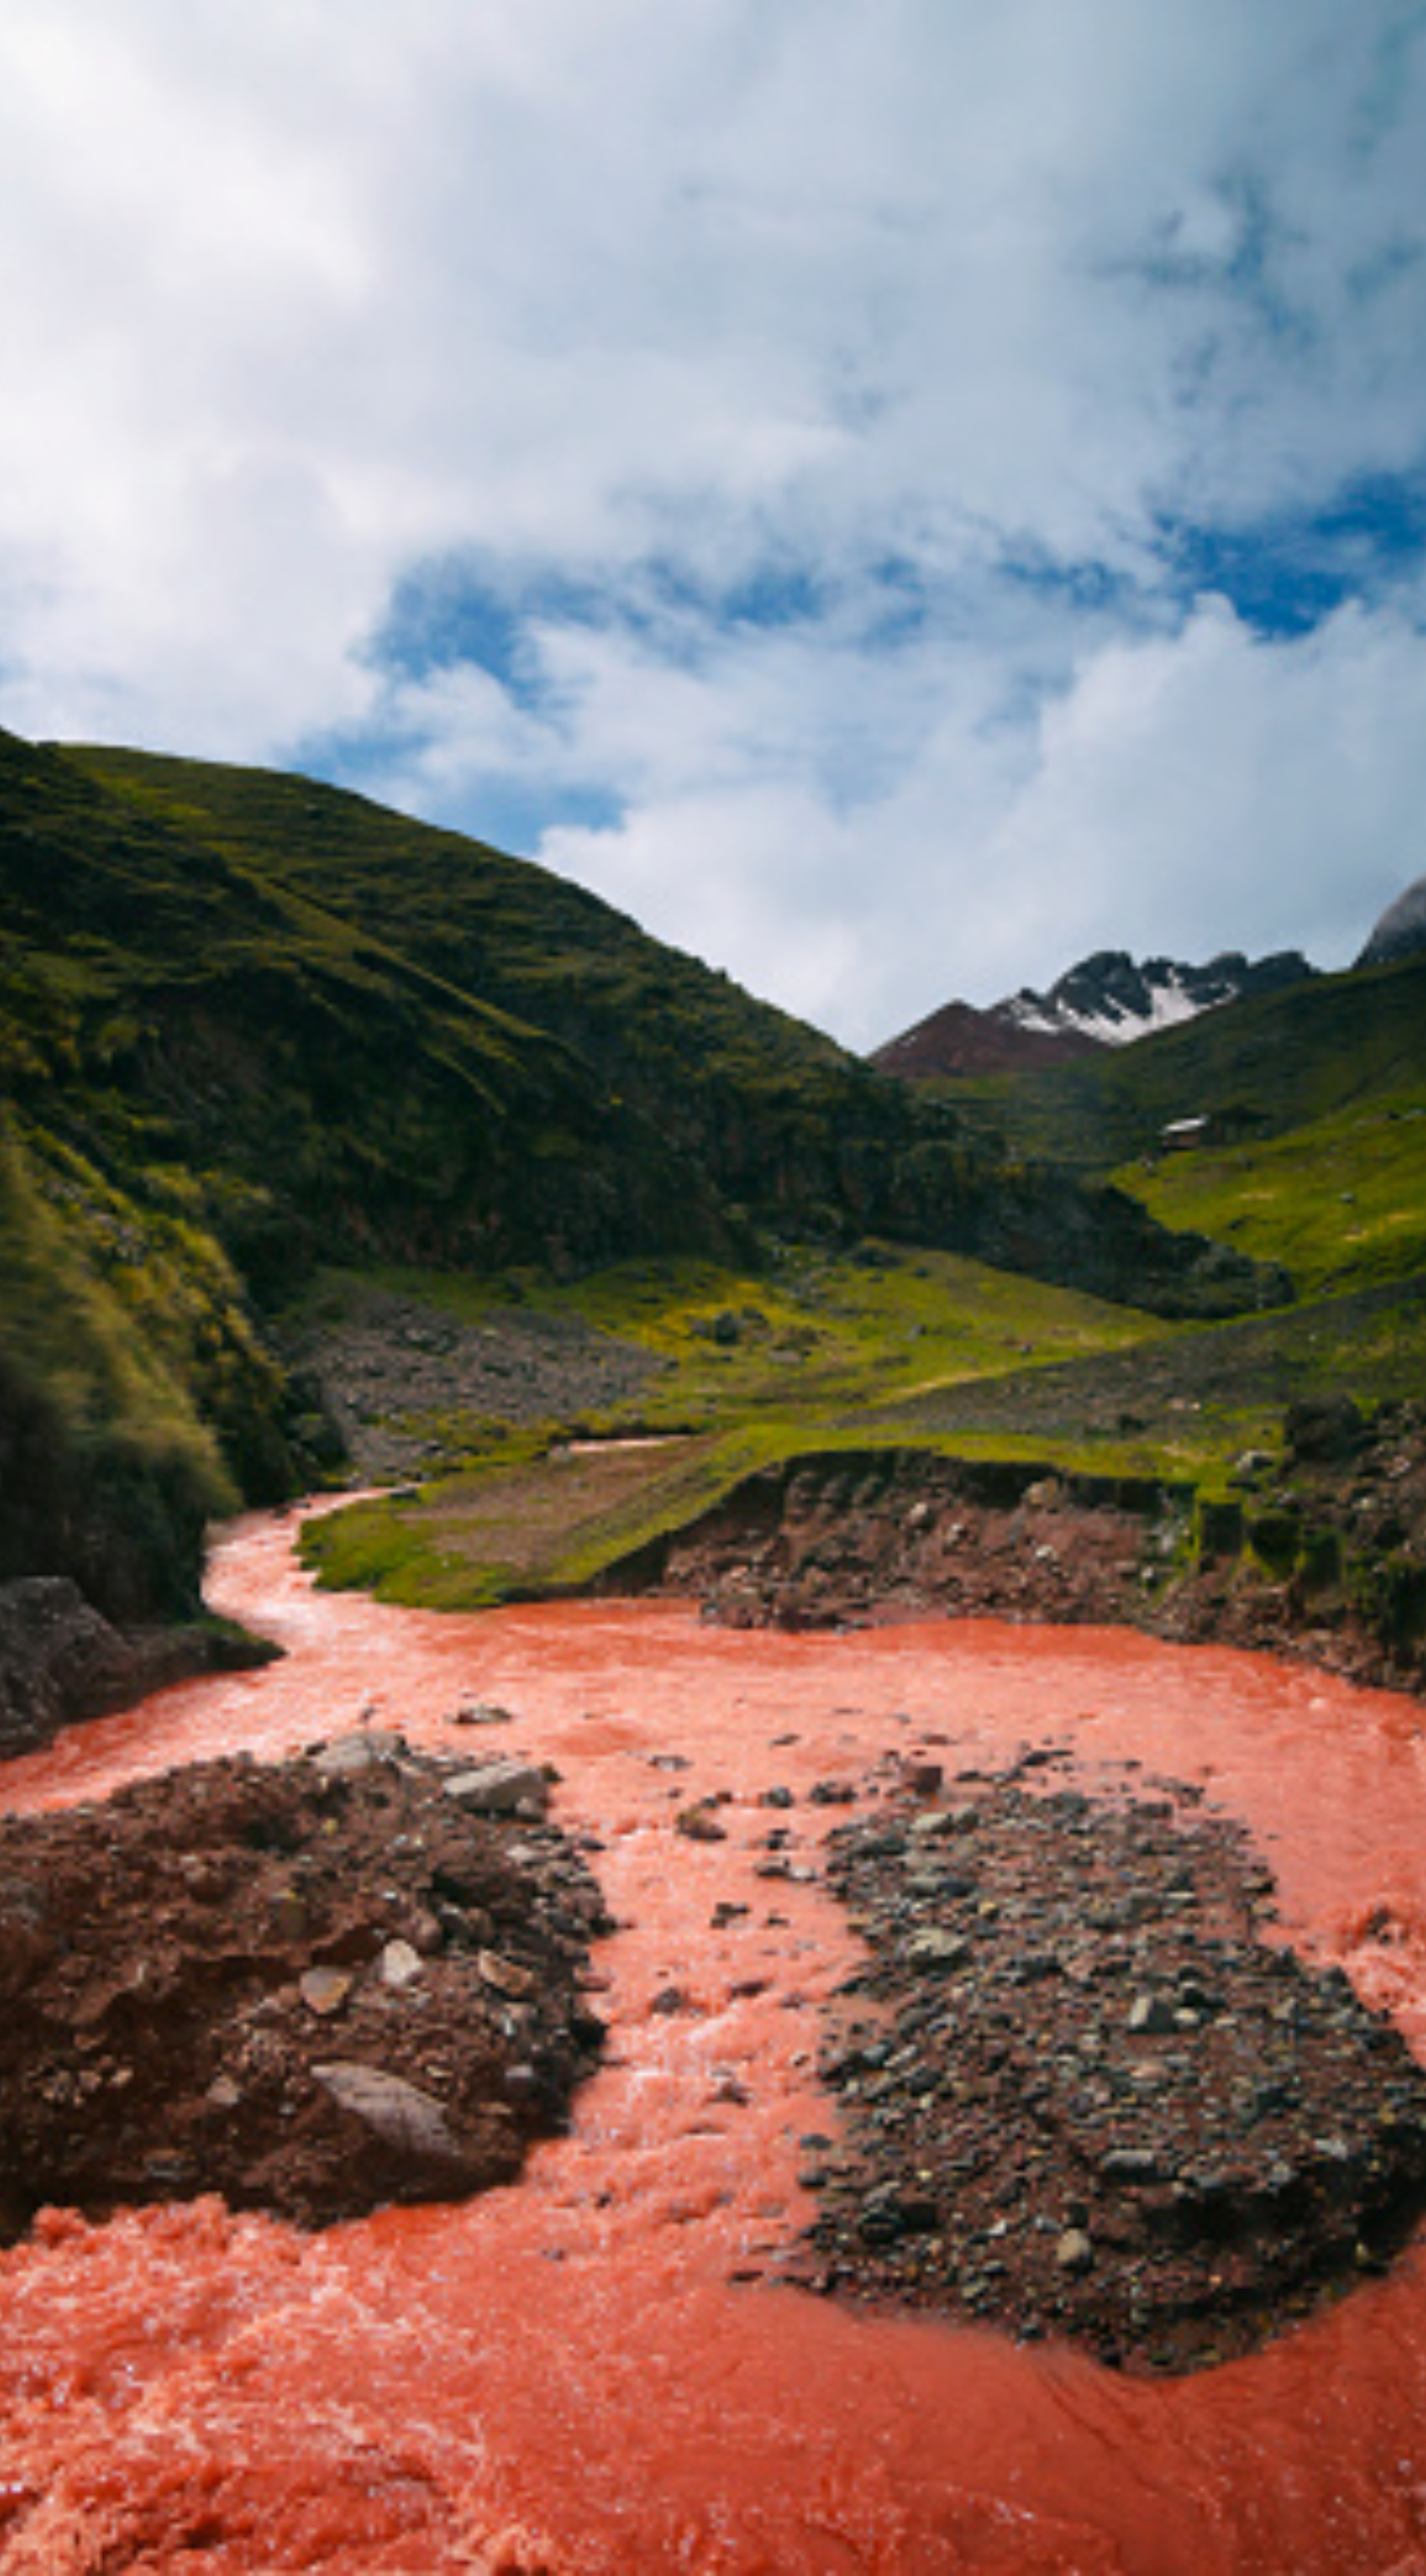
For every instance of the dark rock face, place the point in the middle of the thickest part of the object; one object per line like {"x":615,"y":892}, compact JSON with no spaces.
{"x":1401,"y":931}
{"x":314,"y":1987}
{"x":1083,"y":2097}
{"x":1113,"y":999}
{"x":59,"y":1660}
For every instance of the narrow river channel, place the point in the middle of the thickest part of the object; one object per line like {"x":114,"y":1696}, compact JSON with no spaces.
{"x":597,"y":2370}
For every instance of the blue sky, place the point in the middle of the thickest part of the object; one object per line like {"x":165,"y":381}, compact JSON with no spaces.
{"x":893,"y":494}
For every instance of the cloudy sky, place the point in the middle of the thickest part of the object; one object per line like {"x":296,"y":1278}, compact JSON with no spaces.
{"x":895,"y":494}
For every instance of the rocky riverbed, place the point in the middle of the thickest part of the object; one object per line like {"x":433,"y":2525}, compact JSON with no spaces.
{"x":353,"y":1978}
{"x":1081,"y":2094}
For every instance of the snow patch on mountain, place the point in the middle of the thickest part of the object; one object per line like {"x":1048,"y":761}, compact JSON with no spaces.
{"x":1112,"y":1000}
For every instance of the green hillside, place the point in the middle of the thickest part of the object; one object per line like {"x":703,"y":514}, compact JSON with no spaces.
{"x":1341,"y":1200}
{"x":251,"y":1027}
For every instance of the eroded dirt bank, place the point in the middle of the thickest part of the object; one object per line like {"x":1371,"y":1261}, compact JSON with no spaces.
{"x":1320,"y":1555}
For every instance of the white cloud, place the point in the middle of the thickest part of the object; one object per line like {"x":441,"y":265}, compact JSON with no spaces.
{"x":301,"y":297}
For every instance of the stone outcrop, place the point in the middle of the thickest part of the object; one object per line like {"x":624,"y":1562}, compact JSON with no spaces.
{"x":59,"y":1660}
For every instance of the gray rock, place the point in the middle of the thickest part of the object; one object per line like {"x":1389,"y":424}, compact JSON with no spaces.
{"x":399,"y":2114}
{"x":499,"y":1788}
{"x":401,"y":1964}
{"x":935,"y":1953}
{"x":1131,"y":2164}
{"x":349,"y":1755}
{"x":59,"y":1660}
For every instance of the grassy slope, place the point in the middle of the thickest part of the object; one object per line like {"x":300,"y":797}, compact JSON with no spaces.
{"x":820,"y":1341}
{"x":675,"y":1055}
{"x":1341,"y":1200}
{"x":680,"y":1114}
{"x":979,"y":1363}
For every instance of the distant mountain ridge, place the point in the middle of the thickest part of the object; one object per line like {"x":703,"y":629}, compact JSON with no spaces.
{"x":1107,"y":1000}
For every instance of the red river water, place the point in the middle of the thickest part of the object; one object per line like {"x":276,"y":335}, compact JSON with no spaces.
{"x":590,"y":2371}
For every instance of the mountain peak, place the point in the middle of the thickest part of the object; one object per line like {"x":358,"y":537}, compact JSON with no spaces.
{"x":1401,"y":931}
{"x":1107,"y":1000}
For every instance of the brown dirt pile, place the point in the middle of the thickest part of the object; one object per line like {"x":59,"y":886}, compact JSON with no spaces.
{"x":312,"y":1987}
{"x":1084,"y":2097}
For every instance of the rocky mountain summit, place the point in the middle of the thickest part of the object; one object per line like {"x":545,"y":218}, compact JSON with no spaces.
{"x":1401,"y":931}
{"x":1109,"y":999}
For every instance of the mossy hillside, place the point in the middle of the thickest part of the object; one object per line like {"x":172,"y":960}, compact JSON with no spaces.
{"x":806,"y":1332}
{"x":177,"y":1005}
{"x":121,"y":1352}
{"x":611,"y":1095}
{"x":754,"y":1105}
{"x":1341,"y":1200}
{"x":1194,"y":1401}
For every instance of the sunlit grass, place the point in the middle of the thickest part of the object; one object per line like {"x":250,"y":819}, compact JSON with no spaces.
{"x":1342,"y":1202}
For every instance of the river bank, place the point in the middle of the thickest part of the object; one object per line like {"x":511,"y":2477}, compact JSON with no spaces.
{"x":1318,"y":1553}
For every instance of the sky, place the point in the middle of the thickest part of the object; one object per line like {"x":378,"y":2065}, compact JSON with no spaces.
{"x":895,"y":495}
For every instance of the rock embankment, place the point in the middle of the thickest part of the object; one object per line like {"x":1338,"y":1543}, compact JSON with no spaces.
{"x":61,"y":1660}
{"x":1082,"y":2095}
{"x":313,"y":1987}
{"x":1319,"y":1552}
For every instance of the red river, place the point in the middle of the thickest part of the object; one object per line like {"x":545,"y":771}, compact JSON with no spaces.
{"x":587,"y":2372}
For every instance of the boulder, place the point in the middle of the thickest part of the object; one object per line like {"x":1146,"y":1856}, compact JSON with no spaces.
{"x":500,"y":1788}
{"x":59,"y":1660}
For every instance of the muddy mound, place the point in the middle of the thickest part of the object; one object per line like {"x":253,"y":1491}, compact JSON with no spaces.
{"x":1089,"y":2099}
{"x":313,"y":1987}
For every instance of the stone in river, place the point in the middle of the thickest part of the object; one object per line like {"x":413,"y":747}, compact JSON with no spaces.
{"x":935,"y":1953}
{"x":324,"y":1990}
{"x":400,"y":2114}
{"x":498,"y":1788}
{"x":401,"y":1964}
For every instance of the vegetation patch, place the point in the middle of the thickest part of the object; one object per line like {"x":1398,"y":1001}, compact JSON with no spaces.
{"x":1341,"y":1201}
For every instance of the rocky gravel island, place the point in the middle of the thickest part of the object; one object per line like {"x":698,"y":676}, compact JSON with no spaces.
{"x":1082,"y":2095}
